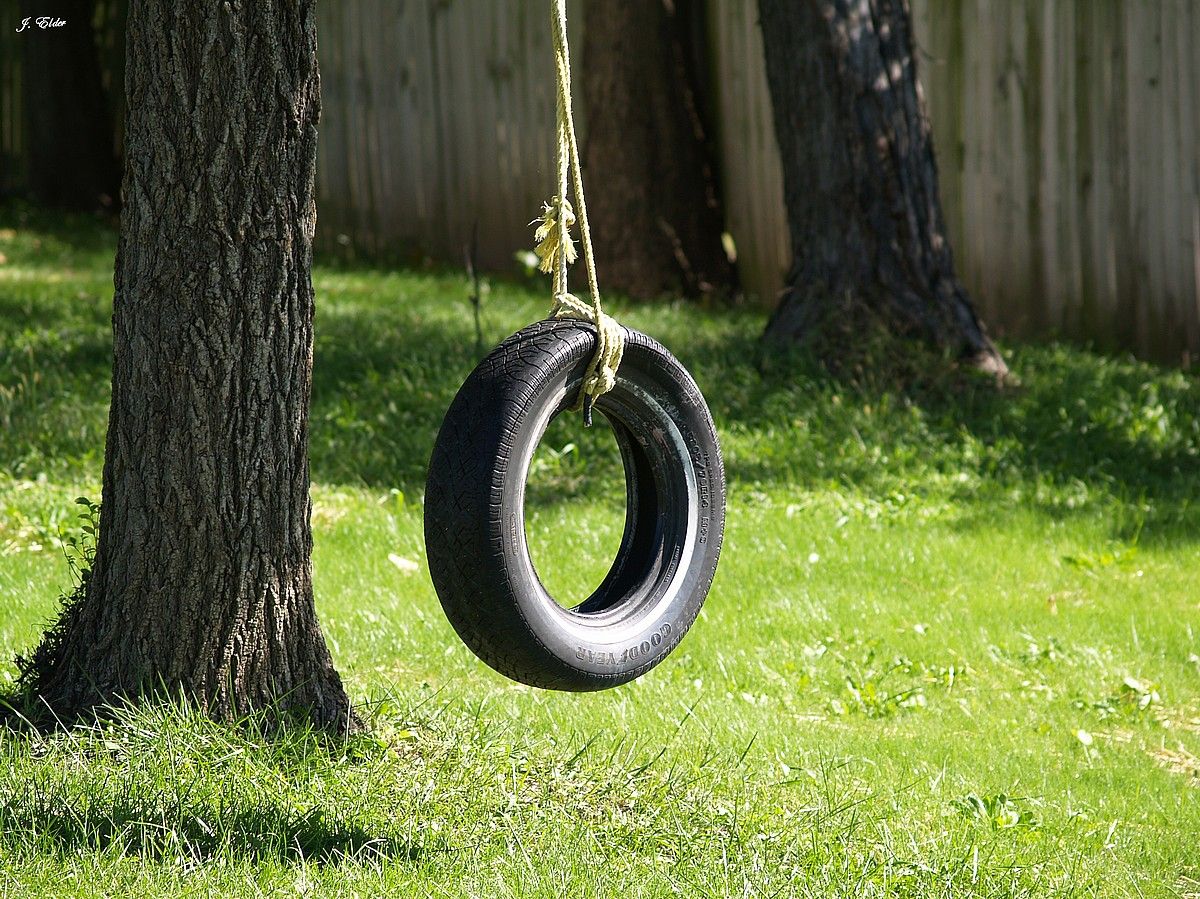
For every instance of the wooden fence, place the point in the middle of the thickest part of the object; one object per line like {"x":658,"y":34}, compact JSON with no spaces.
{"x":12,"y":140}
{"x":109,"y":23}
{"x":438,"y":120}
{"x":1068,"y":135}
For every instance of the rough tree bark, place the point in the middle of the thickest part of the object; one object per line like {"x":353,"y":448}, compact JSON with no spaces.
{"x":654,"y":203}
{"x":69,"y":125}
{"x":861,"y":181}
{"x":202,"y":582}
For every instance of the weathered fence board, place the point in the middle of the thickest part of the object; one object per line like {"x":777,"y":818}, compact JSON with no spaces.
{"x":439,"y":120}
{"x":750,"y":169}
{"x":12,"y":138}
{"x":1073,"y":202}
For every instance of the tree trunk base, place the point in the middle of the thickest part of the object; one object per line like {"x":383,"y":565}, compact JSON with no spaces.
{"x":54,"y":704}
{"x":851,"y":334}
{"x":871,"y":257}
{"x":69,"y":678}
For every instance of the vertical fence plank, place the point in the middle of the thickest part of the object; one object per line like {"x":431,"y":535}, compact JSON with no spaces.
{"x":751,"y":173}
{"x":13,"y":151}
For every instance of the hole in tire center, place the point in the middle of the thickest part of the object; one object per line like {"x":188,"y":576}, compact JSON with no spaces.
{"x":575,"y":506}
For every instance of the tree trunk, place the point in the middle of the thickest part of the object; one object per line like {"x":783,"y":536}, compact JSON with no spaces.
{"x":72,"y":163}
{"x":202,"y":582}
{"x":654,"y":204}
{"x":860,"y":182}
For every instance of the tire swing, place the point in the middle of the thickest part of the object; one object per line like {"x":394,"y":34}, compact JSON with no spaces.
{"x":475,"y":495}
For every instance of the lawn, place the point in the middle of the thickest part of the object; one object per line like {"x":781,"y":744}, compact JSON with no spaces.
{"x":951,"y":650}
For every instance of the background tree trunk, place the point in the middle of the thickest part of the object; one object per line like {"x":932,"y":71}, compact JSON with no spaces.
{"x":202,"y":581}
{"x":654,"y":204}
{"x":73,"y":164}
{"x":861,"y":181}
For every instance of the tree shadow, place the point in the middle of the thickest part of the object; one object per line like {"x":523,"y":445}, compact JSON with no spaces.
{"x":156,"y":777}
{"x":61,"y":232}
{"x":1078,"y":425}
{"x":382,"y":382}
{"x":144,"y":827}
{"x":387,"y":367}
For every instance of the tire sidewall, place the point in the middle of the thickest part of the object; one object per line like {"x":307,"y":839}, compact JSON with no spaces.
{"x":604,"y":654}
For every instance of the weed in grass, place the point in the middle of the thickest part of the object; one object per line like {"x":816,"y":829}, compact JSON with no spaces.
{"x":1133,"y":698}
{"x":1038,"y":653}
{"x":1121,"y":558}
{"x":79,"y":549}
{"x":998,"y":812}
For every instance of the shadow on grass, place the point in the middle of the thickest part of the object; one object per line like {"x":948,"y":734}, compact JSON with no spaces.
{"x":144,"y":828}
{"x":1078,"y":425}
{"x":56,"y":232}
{"x":157,"y":777}
{"x":387,"y":367}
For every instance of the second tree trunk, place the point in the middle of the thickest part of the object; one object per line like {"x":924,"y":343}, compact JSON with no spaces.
{"x":861,"y":182}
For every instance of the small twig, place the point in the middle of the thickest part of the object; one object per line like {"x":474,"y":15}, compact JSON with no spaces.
{"x":476,"y":298}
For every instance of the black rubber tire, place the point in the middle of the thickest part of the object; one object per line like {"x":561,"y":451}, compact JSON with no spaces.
{"x":474,"y":511}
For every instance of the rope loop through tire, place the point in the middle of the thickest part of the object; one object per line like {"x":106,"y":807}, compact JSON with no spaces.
{"x":475,"y":511}
{"x":554,"y":246}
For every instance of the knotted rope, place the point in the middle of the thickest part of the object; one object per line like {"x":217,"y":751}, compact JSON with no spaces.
{"x":555,"y":247}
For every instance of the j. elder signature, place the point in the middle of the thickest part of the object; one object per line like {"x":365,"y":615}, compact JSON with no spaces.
{"x":41,"y":22}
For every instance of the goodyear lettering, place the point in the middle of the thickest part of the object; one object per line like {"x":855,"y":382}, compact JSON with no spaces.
{"x":638,"y":650}
{"x":703,"y":487}
{"x":592,"y":657}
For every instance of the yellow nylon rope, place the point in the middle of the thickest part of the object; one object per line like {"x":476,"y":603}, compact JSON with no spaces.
{"x":555,"y":246}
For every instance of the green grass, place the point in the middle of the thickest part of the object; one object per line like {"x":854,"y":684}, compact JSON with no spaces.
{"x":951,"y":650}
